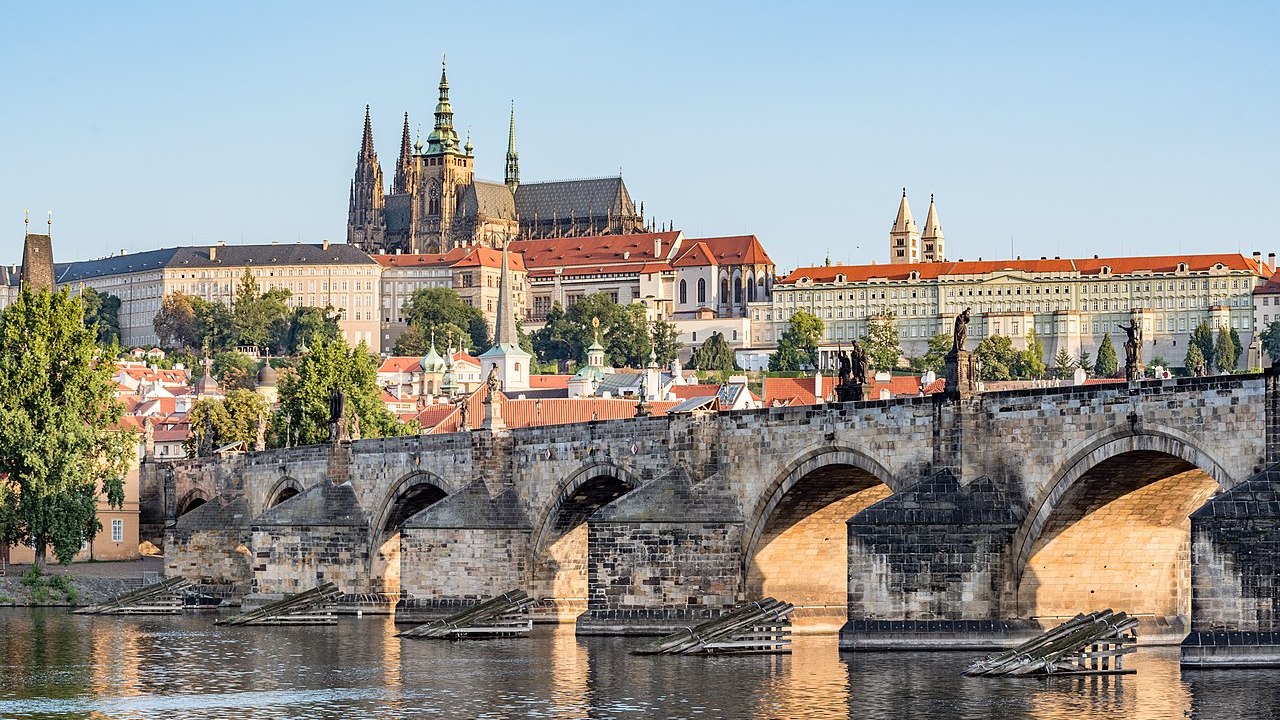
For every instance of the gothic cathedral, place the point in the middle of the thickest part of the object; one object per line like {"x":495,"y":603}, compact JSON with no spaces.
{"x":436,"y":204}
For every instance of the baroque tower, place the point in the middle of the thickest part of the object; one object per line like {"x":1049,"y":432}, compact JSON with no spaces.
{"x":506,"y":359}
{"x":365,"y":210}
{"x":904,"y":237}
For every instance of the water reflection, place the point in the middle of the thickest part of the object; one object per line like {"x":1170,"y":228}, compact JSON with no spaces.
{"x":57,"y":665}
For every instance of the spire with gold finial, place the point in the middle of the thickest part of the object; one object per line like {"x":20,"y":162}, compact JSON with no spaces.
{"x":443,"y":138}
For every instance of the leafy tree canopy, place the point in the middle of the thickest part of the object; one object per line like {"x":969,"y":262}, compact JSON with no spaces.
{"x":231,"y":419}
{"x":713,"y":355}
{"x":61,"y":447}
{"x":102,"y":312}
{"x":881,"y":342}
{"x":1107,"y":365}
{"x":996,"y":358}
{"x":448,"y":314}
{"x":798,"y":345}
{"x":935,"y":359}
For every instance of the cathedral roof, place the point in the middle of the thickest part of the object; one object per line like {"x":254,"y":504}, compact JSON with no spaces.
{"x":471,"y":256}
{"x":562,"y":199}
{"x":737,"y":250}
{"x":397,"y":212}
{"x":488,"y":199}
{"x":604,"y":253}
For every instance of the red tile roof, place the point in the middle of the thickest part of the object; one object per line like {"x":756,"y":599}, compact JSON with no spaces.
{"x":1084,"y":267}
{"x":684,"y":392}
{"x":1270,"y":287}
{"x":736,"y":250}
{"x":698,"y":255}
{"x":473,"y":256}
{"x":549,"y":382}
{"x":794,"y":391}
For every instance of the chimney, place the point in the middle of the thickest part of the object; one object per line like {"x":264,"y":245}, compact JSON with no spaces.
{"x":657,"y":248}
{"x":1271,"y":261}
{"x":324,"y":244}
{"x":817,"y":386}
{"x":1257,"y":257}
{"x":213,"y":252}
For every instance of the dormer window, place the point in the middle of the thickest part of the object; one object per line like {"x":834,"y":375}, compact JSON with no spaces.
{"x":839,"y":277}
{"x":1106,"y":269}
{"x":1182,"y":267}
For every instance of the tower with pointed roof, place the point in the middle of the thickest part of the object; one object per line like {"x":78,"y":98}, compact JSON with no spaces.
{"x":446,"y":169}
{"x":904,"y":237}
{"x":931,"y":239}
{"x":506,"y":356}
{"x":37,"y":259}
{"x":513,"y":160}
{"x":365,"y":208}
{"x":406,"y":167}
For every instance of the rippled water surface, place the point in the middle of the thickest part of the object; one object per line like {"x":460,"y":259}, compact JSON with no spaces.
{"x":57,"y":665}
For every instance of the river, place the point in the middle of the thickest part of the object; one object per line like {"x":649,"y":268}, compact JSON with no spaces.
{"x":59,"y":665}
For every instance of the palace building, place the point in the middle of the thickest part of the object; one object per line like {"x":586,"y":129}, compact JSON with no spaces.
{"x":436,"y":203}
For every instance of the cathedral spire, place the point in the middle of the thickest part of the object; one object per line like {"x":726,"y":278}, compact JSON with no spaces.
{"x":404,"y":170}
{"x":364,"y":211}
{"x":366,"y":142}
{"x":506,"y":358}
{"x":513,"y":160}
{"x":504,"y":332}
{"x":904,"y":223}
{"x":443,"y":138}
{"x":904,"y":237}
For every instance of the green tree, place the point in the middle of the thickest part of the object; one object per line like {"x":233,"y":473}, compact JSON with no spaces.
{"x":935,"y":359}
{"x":996,"y":357}
{"x":798,"y":345}
{"x":215,"y":325}
{"x":624,"y":333}
{"x":176,"y":323}
{"x":1158,"y":361}
{"x":713,"y":355}
{"x":1194,"y":358}
{"x":235,"y":370}
{"x":61,"y":448}
{"x":881,"y":342}
{"x":554,"y":342}
{"x":1271,"y":341}
{"x":102,"y":312}
{"x":258,"y":317}
{"x":1202,"y":337}
{"x":1238,"y":347}
{"x":1085,"y":361}
{"x":666,"y":341}
{"x":447,"y":313}
{"x":1225,"y":352}
{"x":1107,"y":365}
{"x":305,"y":325}
{"x":303,"y":415}
{"x":1063,"y":364}
{"x":234,"y":418}
{"x":1030,"y":362}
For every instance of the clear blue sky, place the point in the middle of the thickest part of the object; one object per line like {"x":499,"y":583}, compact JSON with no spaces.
{"x":1076,"y":128}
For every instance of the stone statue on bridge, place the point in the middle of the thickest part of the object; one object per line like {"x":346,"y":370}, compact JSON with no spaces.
{"x":845,"y":367}
{"x":961,"y":332}
{"x":337,"y":411}
{"x":1132,"y":350}
{"x":853,"y":373}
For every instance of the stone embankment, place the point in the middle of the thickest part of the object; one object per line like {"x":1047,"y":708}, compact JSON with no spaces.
{"x":73,"y":586}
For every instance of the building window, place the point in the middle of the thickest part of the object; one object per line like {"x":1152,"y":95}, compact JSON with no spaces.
{"x":684,"y":292}
{"x":702,"y":290}
{"x":117,"y":531}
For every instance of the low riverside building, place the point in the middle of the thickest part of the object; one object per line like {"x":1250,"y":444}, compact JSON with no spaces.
{"x":1070,"y":304}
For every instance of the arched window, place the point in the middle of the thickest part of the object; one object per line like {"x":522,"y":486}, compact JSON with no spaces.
{"x":724,"y":291}
{"x":684,"y":292}
{"x":737,"y":291}
{"x":702,"y":290}
{"x":751,"y":289}
{"x":435,"y":202}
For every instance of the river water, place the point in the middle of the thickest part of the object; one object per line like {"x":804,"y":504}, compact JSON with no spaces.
{"x":57,"y":665}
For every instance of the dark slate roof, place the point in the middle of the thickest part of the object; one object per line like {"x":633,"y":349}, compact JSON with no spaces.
{"x":701,"y":402}
{"x":220,"y":513}
{"x":9,"y":275}
{"x":225,"y":255}
{"x":472,"y":508}
{"x":596,"y":197}
{"x":397,"y":213}
{"x":322,"y":504}
{"x":620,"y":383}
{"x":488,"y":199}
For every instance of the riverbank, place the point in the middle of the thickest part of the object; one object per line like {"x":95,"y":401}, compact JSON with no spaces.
{"x":74,"y":585}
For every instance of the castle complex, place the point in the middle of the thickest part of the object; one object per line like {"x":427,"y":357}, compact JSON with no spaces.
{"x":436,"y":203}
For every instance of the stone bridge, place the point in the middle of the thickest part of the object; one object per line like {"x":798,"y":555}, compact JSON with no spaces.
{"x":911,"y":522}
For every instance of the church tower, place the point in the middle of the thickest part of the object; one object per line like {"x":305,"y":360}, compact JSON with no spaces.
{"x":365,"y":211}
{"x":37,"y":259}
{"x":513,"y":160}
{"x":506,"y":357}
{"x":931,"y":240}
{"x":904,"y":237}
{"x":406,"y":179}
{"x":446,"y":170}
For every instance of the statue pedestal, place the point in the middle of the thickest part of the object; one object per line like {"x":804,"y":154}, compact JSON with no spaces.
{"x":848,"y":392}
{"x":962,"y":374}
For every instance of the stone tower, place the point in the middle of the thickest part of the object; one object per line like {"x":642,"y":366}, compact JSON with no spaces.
{"x":931,"y":240}
{"x":37,"y":259}
{"x":904,"y":237}
{"x":446,"y":168}
{"x":513,"y":160}
{"x":406,"y":180}
{"x":506,"y":356}
{"x":365,"y":211}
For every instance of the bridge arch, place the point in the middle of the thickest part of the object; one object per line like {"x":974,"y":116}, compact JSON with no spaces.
{"x":284,"y":488}
{"x":193,"y":499}
{"x":795,"y":541}
{"x":559,"y":550}
{"x":1112,"y":528}
{"x":411,"y":494}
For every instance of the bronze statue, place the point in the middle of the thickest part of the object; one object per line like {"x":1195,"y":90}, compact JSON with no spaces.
{"x":464,"y":410}
{"x":1132,"y":349}
{"x":337,"y":405}
{"x":961,"y":332}
{"x":859,"y":361}
{"x":846,"y":367}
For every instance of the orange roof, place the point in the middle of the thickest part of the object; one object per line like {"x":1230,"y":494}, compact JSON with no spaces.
{"x":898,"y":386}
{"x":398,"y":364}
{"x":560,"y":411}
{"x":1089,"y":266}
{"x":1270,"y":287}
{"x":737,"y":250}
{"x":684,"y":392}
{"x":794,"y":391}
{"x":549,"y":382}
{"x":587,"y":254}
{"x":472,"y":256}
{"x":698,"y":255}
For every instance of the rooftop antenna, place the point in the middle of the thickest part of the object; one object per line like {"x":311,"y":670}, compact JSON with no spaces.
{"x":51,"y":222}
{"x":27,"y":220}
